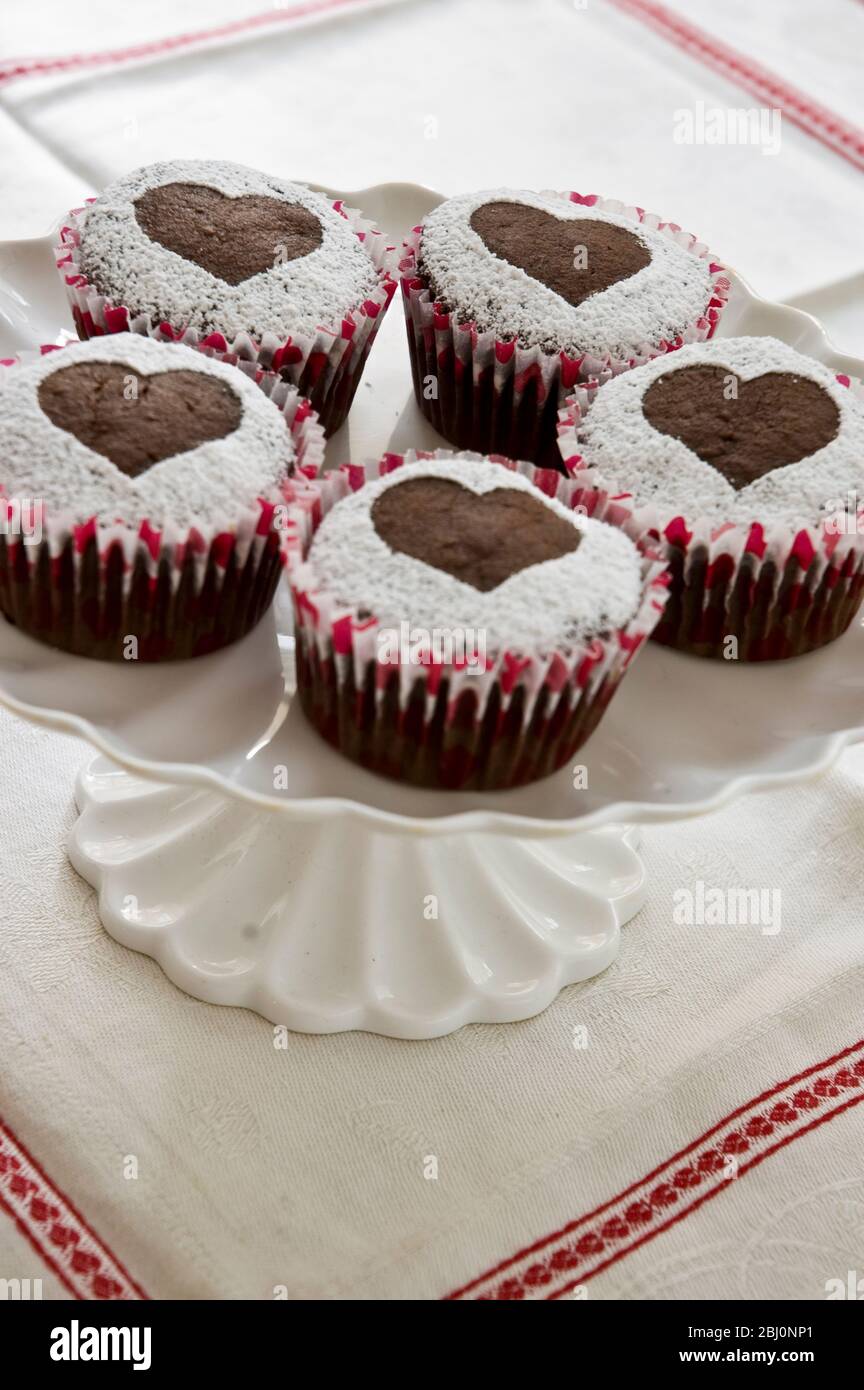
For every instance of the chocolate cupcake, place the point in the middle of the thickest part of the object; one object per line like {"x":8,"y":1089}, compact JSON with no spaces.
{"x":458,"y":624}
{"x":144,"y":490}
{"x":242,"y":264}
{"x":747,"y":459}
{"x":513,"y":297}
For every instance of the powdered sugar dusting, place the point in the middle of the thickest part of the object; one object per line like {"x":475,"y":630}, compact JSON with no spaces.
{"x":297,"y":296}
{"x":658,"y":303}
{"x":632,"y":456}
{"x":210,"y":483}
{"x":594,"y":589}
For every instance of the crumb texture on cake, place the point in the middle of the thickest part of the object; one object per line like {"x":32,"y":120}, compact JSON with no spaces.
{"x":660,"y":301}
{"x":659,"y":469}
{"x":594,"y":589}
{"x":43,"y":462}
{"x":292,"y":297}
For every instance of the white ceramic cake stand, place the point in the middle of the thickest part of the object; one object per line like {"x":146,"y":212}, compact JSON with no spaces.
{"x":260,"y":868}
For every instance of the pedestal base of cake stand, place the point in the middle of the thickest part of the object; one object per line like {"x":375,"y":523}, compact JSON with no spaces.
{"x":335,"y":923}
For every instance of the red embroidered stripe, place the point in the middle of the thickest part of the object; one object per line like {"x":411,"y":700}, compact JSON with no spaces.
{"x":823,"y":124}
{"x":555,"y":1265}
{"x":56,"y":1229}
{"x":45,"y":67}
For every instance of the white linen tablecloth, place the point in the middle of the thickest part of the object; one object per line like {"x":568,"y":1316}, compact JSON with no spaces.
{"x":153,"y":1144}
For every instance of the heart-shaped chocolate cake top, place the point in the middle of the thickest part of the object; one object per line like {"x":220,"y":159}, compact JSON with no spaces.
{"x":134,"y":420}
{"x":744,"y":429}
{"x":575,"y":257}
{"x":480,"y":538}
{"x":232,"y":238}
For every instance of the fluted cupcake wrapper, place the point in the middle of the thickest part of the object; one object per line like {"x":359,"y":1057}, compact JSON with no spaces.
{"x":326,"y":366}
{"x":445,"y":723}
{"x":148,"y":593}
{"x":743,"y":591}
{"x":493,"y":396}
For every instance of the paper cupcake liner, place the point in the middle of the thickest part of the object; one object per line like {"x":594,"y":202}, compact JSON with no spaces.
{"x":326,"y":367}
{"x":494,"y":396}
{"x":743,"y":591}
{"x":440,"y":724}
{"x":771,"y":608}
{"x":88,"y":588}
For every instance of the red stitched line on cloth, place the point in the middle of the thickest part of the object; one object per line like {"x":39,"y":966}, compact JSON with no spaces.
{"x":823,"y":124}
{"x":808,"y":1098}
{"x":713,"y":1192}
{"x":36,"y":67}
{"x":83,"y":1262}
{"x":32,"y":1241}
